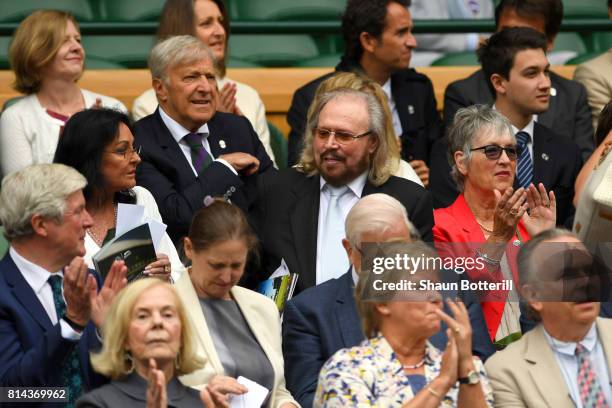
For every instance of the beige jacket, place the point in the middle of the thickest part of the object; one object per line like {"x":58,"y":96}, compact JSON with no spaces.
{"x":596,"y":76}
{"x":526,"y":374}
{"x":263,"y":318}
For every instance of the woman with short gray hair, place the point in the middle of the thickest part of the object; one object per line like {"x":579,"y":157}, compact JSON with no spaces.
{"x":489,"y":212}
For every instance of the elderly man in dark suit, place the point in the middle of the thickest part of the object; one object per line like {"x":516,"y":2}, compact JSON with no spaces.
{"x":323,"y":319}
{"x":300,"y":211}
{"x":515,"y":62}
{"x":189,"y":150}
{"x":49,"y":309}
{"x":379,"y":42}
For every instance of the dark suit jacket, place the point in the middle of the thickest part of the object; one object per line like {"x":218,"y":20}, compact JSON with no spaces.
{"x":287,"y":212}
{"x":416,"y":107}
{"x":324,"y":319}
{"x":556,"y":163}
{"x":166,"y":173}
{"x":32,"y":349}
{"x":131,"y":391}
{"x":568,"y":114}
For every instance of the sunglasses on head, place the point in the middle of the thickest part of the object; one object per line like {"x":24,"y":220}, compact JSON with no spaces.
{"x":493,"y":152}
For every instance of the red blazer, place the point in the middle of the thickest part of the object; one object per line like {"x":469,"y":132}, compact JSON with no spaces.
{"x":457,"y":224}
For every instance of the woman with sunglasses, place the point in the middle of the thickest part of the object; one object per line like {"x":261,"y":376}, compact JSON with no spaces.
{"x":490,"y":220}
{"x":100,"y":145}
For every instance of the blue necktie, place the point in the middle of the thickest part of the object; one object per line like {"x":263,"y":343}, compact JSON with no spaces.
{"x":334,"y":261}
{"x":200,"y":158}
{"x":524,"y":170}
{"x":71,"y":368}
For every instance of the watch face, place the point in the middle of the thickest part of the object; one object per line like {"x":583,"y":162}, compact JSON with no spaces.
{"x":473,"y":377}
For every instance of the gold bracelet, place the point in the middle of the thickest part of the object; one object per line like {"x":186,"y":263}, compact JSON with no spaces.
{"x":434,"y":393}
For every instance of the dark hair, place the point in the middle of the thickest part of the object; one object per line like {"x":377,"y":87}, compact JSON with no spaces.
{"x":85,"y":137}
{"x":604,"y":124}
{"x":220,"y":221}
{"x":177,"y":18}
{"x":368,"y":16}
{"x":496,"y":55}
{"x":550,"y":11}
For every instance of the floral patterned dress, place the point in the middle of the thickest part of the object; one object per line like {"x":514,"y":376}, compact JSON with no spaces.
{"x":370,"y":375}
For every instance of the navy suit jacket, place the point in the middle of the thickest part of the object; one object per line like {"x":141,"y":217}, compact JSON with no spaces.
{"x":287,"y":213}
{"x":414,"y":99}
{"x":324,"y":319}
{"x":568,"y":114}
{"x":32,"y":349}
{"x":556,"y":163}
{"x":167,"y":174}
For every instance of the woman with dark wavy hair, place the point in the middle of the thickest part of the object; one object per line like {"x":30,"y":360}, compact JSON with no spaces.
{"x":100,"y":145}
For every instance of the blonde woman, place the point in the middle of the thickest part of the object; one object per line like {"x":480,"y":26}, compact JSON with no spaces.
{"x":148,"y":343}
{"x":47,"y":58}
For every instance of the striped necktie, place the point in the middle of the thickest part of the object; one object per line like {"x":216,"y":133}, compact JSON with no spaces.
{"x":524,"y":170}
{"x":200,"y":158}
{"x":71,"y":367}
{"x":589,"y":388}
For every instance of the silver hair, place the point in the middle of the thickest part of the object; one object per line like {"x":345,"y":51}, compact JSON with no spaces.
{"x":467,"y":125}
{"x":38,"y":189}
{"x":380,"y":166}
{"x":177,"y":50}
{"x":376,"y":213}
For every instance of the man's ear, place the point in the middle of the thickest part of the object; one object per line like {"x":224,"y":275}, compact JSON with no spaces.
{"x":499,"y":83}
{"x":368,"y":42}
{"x":188,"y":247}
{"x":40,"y":225}
{"x":383,"y":309}
{"x":160,"y":89}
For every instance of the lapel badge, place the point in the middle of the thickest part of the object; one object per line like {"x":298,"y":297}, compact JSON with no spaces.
{"x":517,"y":243}
{"x":553,"y":92}
{"x":222,"y":144}
{"x":410,"y":109}
{"x":545,"y":157}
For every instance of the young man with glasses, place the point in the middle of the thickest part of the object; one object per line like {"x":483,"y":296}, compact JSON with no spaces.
{"x":514,"y":60}
{"x":301,"y":211}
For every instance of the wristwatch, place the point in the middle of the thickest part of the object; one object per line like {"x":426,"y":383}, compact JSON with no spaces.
{"x":471,"y":379}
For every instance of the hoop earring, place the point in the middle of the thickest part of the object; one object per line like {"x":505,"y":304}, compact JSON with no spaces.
{"x":129,"y":361}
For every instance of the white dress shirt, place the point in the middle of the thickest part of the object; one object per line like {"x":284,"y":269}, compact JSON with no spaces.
{"x":397,"y":125}
{"x":178,"y":132}
{"x":347,"y":202}
{"x":38,"y":279}
{"x":568,"y":363}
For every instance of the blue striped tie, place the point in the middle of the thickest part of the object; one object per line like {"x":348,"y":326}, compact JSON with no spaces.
{"x":71,"y":367}
{"x":524,"y":170}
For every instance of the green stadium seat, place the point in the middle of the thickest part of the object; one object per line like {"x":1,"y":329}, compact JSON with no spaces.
{"x":585,"y":9}
{"x":232,"y":62}
{"x":278,"y":142}
{"x":99,"y":63}
{"x":131,"y":10}
{"x":602,"y":40}
{"x":131,"y":51}
{"x":4,"y":244}
{"x":272,"y":50}
{"x":284,"y":10}
{"x":569,"y":42}
{"x":583,"y":58}
{"x":456,"y":59}
{"x":13,"y":11}
{"x":5,"y":42}
{"x":330,"y":60}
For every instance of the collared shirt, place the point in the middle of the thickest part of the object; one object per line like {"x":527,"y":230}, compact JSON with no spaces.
{"x":346,"y":203}
{"x":178,"y":132}
{"x":397,"y":124}
{"x":370,"y":375}
{"x":38,"y":279}
{"x":568,"y":363}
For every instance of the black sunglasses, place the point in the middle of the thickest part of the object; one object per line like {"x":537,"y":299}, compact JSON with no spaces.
{"x":493,"y":152}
